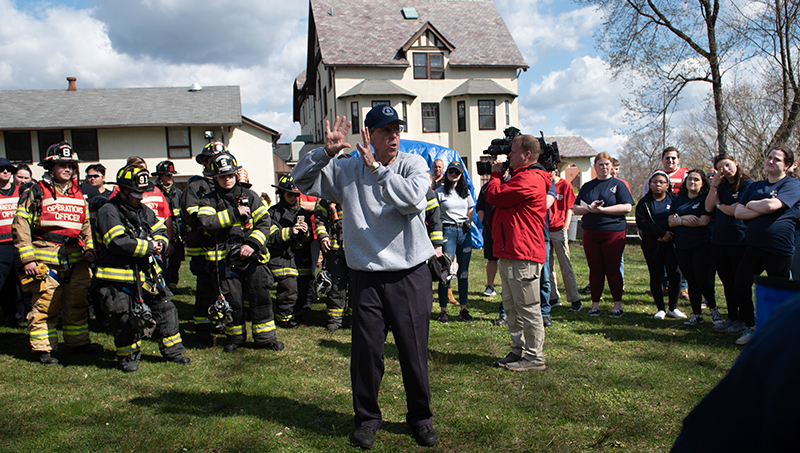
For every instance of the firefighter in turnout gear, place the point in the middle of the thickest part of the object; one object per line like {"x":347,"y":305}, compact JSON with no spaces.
{"x":239,"y":224}
{"x":328,"y":226}
{"x":52,"y":234}
{"x":198,"y":243}
{"x":289,"y":234}
{"x":175,"y":250}
{"x":128,"y":277}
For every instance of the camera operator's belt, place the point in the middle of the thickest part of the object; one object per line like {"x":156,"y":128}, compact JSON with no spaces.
{"x":456,"y":225}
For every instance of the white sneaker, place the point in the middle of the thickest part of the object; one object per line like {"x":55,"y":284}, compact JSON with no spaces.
{"x":660,"y":314}
{"x":676,"y":314}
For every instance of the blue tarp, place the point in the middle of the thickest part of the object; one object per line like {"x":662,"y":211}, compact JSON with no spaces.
{"x":430,"y":153}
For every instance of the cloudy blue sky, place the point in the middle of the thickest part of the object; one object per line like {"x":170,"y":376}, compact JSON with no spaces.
{"x":260,"y":45}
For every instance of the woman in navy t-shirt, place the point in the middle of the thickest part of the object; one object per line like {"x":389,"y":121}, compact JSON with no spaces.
{"x":727,"y":232}
{"x":770,"y":208}
{"x":690,"y":223}
{"x":603,"y":202}
{"x":652,"y":219}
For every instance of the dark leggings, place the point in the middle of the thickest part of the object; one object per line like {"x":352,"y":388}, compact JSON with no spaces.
{"x":603,"y":251}
{"x":661,"y":258}
{"x":726,"y":260}
{"x":697,"y":265}
{"x":753,"y":263}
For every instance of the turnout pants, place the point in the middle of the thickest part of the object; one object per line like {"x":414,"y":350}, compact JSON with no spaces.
{"x":67,"y":295}
{"x":400,"y":301}
{"x":205,"y":295}
{"x":255,"y":281}
{"x":336,"y":264}
{"x":174,"y":264}
{"x":286,"y":298}
{"x":117,"y":301}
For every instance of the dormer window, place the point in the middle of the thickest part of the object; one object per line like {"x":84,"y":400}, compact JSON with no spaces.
{"x":428,"y":65}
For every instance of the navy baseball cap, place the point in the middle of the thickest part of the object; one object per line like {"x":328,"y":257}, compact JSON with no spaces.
{"x":381,"y":115}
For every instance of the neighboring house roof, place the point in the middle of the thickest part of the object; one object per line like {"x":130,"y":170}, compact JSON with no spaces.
{"x":377,"y":87}
{"x":120,"y":107}
{"x":368,"y":32}
{"x":571,"y":146}
{"x":480,"y":86}
{"x":257,"y":125}
{"x":300,"y":80}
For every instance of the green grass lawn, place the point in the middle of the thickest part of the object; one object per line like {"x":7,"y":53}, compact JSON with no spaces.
{"x":611,"y":385}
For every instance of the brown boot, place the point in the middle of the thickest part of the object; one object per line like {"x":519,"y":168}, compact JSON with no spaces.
{"x":450,"y":297}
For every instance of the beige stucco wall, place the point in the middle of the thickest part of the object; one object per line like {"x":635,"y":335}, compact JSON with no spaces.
{"x":253,"y":150}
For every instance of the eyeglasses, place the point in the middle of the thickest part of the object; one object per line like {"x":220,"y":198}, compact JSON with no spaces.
{"x":5,"y":170}
{"x":392,"y":129}
{"x":88,"y":176}
{"x":670,"y":158}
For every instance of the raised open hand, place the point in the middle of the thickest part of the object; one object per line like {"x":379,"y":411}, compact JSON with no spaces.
{"x":334,"y":139}
{"x":365,"y":150}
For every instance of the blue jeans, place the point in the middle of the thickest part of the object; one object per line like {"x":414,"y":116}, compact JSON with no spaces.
{"x":544,"y":282}
{"x":457,"y":245}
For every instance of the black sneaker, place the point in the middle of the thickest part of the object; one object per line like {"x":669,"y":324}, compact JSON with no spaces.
{"x":363,"y":437}
{"x":576,"y":306}
{"x":555,"y":303}
{"x":586,"y":290}
{"x":443,"y":318}
{"x":501,"y":321}
{"x":546,"y":321}
{"x":90,"y":348}
{"x":465,"y":316}
{"x":510,"y":357}
{"x":48,"y":359}
{"x":425,"y":435}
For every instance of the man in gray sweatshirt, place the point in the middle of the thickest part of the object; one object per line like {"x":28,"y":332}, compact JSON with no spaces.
{"x":382,"y":195}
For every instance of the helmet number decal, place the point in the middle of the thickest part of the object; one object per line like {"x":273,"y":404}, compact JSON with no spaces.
{"x":142,"y":179}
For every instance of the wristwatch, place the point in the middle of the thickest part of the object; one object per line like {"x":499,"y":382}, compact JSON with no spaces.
{"x":374,"y":166}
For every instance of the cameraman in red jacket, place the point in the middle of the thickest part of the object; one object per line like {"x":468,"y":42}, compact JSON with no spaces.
{"x":518,"y":235}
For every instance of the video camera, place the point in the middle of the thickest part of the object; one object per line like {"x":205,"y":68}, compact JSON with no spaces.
{"x":548,"y":156}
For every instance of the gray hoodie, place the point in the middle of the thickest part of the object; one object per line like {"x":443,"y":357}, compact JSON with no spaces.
{"x":383,"y":218}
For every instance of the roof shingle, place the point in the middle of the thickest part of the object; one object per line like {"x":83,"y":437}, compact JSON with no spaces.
{"x":369,"y":32}
{"x":116,"y":107}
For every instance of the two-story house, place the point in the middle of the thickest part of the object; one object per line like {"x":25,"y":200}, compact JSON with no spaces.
{"x":449,"y":67}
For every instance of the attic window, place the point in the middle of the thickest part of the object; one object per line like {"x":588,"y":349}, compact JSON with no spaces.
{"x":410,"y":13}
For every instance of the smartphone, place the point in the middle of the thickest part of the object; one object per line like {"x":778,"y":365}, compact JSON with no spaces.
{"x":301,"y":219}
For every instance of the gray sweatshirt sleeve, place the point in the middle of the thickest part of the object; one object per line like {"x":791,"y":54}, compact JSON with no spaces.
{"x":405,"y":192}
{"x":313,"y":176}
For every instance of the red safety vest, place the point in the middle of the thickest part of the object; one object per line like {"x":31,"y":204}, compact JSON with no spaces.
{"x":154,"y":200}
{"x":63,"y":214}
{"x":8,"y":206}
{"x":676,"y":178}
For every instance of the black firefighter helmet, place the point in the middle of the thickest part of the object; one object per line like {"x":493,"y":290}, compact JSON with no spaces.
{"x":59,"y":153}
{"x":134,"y":178}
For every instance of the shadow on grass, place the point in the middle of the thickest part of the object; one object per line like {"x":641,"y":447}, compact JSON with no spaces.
{"x":276,"y":409}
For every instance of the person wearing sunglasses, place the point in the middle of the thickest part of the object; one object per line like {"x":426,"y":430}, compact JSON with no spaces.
{"x":383,"y":196}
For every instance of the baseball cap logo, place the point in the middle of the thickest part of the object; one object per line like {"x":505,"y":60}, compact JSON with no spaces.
{"x":388,"y":111}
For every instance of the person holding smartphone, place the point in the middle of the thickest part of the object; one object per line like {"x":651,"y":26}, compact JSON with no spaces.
{"x":604,"y":202}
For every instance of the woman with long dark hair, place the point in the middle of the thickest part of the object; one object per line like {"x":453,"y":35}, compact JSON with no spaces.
{"x":727,"y":232}
{"x":652,"y":219}
{"x":770,"y":207}
{"x":690,"y":222}
{"x":456,"y":204}
{"x":604,"y":202}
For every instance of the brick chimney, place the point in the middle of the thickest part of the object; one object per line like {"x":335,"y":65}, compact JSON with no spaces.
{"x":72,"y":86}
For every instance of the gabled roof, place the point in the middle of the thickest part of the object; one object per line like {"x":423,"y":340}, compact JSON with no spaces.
{"x":372,"y":33}
{"x":571,"y":146}
{"x":120,"y":107}
{"x":425,"y":28}
{"x":377,"y":87}
{"x":480,"y":86}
